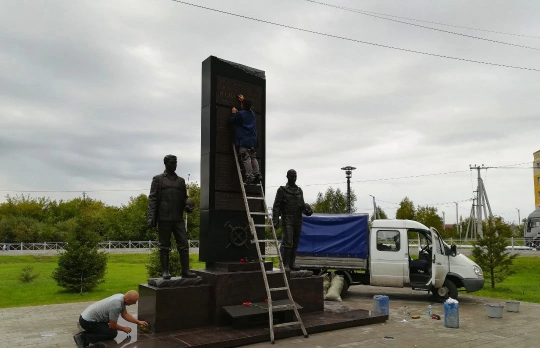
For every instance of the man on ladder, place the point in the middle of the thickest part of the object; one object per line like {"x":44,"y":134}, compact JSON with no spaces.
{"x":245,"y":139}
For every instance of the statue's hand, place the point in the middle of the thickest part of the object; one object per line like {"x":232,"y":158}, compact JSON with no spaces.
{"x":190,"y":206}
{"x":150,"y":223}
{"x":308,"y":211}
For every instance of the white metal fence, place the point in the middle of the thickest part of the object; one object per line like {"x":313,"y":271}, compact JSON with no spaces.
{"x":109,"y":245}
{"x":513,"y":244}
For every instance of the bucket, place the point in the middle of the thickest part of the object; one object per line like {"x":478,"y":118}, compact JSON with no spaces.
{"x":495,"y":310}
{"x":451,"y":315}
{"x":512,"y":306}
{"x":381,"y":304}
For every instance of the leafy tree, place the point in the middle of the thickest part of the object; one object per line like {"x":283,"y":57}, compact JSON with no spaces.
{"x":406,"y":210}
{"x":333,"y":201}
{"x":25,"y":206}
{"x":194,"y":218}
{"x":489,"y":251}
{"x":20,"y":229}
{"x":380,"y":213}
{"x":428,"y":216}
{"x":81,"y":267}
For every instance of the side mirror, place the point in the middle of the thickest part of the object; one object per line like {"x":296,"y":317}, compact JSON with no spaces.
{"x":453,"y":250}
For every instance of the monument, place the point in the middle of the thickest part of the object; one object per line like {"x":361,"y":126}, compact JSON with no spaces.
{"x":223,"y":216}
{"x":215,"y":309}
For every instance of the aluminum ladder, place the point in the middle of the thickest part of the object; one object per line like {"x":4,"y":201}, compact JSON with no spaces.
{"x":253,"y":228}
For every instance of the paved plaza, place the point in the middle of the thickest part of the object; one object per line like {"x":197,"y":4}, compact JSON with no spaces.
{"x":54,"y":325}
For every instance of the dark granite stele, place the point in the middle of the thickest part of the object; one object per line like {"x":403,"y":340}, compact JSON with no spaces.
{"x":334,"y":317}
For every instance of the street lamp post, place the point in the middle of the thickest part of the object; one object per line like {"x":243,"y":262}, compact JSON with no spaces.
{"x":348,"y":174}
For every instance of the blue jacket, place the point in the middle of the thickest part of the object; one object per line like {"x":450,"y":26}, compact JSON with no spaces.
{"x":245,"y":128}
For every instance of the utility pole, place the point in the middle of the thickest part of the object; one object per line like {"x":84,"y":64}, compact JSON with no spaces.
{"x":444,"y":221}
{"x":457,"y":222}
{"x":348,"y":174}
{"x":519,"y":217}
{"x":375,"y":212}
{"x":84,"y":198}
{"x":482,"y":201}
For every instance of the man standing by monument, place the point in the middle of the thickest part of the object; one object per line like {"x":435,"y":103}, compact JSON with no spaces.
{"x":289,"y":204}
{"x":167,"y":202}
{"x":245,"y":139}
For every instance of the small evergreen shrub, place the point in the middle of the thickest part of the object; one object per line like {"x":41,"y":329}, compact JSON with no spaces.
{"x":81,"y":267}
{"x":26,"y":275}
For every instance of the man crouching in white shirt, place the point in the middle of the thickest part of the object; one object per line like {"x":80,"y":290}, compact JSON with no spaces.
{"x":100,"y":319}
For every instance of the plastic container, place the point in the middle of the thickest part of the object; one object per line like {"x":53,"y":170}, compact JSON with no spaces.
{"x":451,"y":314}
{"x":430,"y":310}
{"x":495,"y":310}
{"x":381,"y":304}
{"x":512,"y":306}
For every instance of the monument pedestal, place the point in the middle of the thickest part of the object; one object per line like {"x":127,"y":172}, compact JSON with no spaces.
{"x":175,"y":308}
{"x":235,"y":288}
{"x":192,"y":306}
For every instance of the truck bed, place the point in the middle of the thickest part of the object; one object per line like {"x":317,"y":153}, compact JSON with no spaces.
{"x":322,"y":262}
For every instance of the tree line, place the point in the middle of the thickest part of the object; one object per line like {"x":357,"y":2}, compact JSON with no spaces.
{"x":36,"y":220}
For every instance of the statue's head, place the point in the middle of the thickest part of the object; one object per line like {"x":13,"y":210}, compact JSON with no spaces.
{"x":291,"y":176}
{"x":170,"y":163}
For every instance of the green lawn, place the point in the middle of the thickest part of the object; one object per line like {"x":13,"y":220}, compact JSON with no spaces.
{"x":124,"y":272}
{"x":524,"y":285}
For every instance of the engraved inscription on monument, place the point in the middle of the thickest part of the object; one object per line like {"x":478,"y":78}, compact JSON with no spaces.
{"x":234,"y":201}
{"x":224,"y":131}
{"x":226,"y":173}
{"x":227,"y":90}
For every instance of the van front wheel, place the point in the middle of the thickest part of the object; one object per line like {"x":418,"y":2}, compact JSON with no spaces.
{"x":448,"y":290}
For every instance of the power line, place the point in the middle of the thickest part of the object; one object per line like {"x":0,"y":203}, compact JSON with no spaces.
{"x":357,"y":41}
{"x":444,"y":24}
{"x":507,"y":166}
{"x":69,"y":191}
{"x":383,"y":179}
{"x":430,"y":204}
{"x":420,"y":26}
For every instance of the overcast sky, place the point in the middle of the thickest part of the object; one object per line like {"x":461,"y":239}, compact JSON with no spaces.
{"x":93,"y":94}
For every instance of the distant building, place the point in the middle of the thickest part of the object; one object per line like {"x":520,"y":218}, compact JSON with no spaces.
{"x":536,"y":173}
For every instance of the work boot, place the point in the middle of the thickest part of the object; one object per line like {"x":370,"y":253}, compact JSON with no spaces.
{"x":250,"y":180}
{"x":184,"y":260}
{"x":292,"y":262}
{"x":164,"y":259}
{"x":286,"y":257}
{"x":258,"y":179}
{"x":80,"y":341}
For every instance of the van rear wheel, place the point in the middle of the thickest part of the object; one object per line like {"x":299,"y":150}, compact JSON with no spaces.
{"x":448,"y":290}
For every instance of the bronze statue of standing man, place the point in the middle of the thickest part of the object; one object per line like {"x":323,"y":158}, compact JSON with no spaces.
{"x":289,"y":204}
{"x":167,"y":202}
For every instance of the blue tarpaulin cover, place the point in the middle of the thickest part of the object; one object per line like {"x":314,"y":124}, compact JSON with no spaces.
{"x":339,"y":235}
